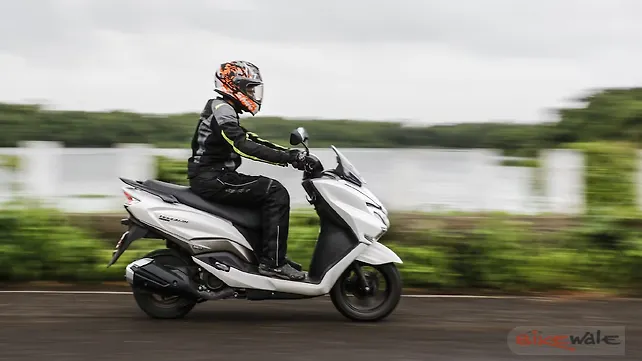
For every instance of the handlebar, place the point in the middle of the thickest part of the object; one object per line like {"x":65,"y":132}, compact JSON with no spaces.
{"x":312,"y":167}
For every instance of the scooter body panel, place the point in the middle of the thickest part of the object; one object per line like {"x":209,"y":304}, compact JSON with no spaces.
{"x":377,"y":254}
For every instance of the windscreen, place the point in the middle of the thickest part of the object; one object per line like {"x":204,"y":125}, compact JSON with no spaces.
{"x":347,"y":170}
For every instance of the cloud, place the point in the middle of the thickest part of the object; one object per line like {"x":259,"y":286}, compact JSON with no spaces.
{"x":491,"y":27}
{"x":429,"y":61}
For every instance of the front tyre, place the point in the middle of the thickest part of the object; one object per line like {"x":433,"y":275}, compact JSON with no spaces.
{"x":372,"y":303}
{"x":163,"y":307}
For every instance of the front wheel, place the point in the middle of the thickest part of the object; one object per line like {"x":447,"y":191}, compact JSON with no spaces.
{"x":372,"y":303}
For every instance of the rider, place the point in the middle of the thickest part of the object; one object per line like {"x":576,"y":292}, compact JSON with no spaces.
{"x":218,"y":144}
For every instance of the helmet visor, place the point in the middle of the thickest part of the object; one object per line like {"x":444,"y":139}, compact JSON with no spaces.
{"x":255,"y":92}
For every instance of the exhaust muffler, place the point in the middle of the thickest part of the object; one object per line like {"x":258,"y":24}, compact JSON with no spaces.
{"x":147,"y":275}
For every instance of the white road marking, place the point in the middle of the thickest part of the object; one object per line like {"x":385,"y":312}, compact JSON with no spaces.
{"x":53,"y":292}
{"x":68,"y":292}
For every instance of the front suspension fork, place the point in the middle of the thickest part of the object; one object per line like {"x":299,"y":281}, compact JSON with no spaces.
{"x":361,"y":276}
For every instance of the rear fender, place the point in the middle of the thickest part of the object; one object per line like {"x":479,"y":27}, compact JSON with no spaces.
{"x":135,"y":232}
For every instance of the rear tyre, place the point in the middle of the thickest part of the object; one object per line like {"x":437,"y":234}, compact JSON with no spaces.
{"x":163,"y":307}
{"x":369,"y":305}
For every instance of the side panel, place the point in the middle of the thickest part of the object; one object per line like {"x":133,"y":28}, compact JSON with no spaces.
{"x":336,"y":238}
{"x":252,"y":236}
{"x":205,"y":246}
{"x":351,"y":205}
{"x":181,"y":221}
{"x":333,"y":244}
{"x":226,"y":259}
{"x":377,"y":253}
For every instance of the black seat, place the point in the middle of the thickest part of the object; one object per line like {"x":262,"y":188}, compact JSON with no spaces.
{"x":244,"y":217}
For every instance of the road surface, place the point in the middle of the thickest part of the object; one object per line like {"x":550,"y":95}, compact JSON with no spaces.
{"x":91,"y":327}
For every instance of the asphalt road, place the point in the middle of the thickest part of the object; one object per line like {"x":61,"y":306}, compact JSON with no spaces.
{"x":110,"y":327}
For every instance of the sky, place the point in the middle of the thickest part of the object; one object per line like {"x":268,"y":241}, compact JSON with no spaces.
{"x":417,"y":61}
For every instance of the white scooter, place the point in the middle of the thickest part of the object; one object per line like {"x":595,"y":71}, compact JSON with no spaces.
{"x":209,"y":254}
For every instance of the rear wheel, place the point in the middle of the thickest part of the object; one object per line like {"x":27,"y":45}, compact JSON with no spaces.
{"x":372,"y":303}
{"x":164,"y":307}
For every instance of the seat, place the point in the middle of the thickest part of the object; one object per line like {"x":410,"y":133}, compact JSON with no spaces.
{"x":244,"y":217}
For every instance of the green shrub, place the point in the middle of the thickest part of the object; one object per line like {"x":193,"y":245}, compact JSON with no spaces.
{"x":610,"y":173}
{"x":171,"y":170}
{"x":509,"y":256}
{"x":10,"y":162}
{"x":521,"y":162}
{"x":38,"y":244}
{"x":499,"y":253}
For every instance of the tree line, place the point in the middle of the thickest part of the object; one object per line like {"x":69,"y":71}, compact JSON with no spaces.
{"x":607,"y":114}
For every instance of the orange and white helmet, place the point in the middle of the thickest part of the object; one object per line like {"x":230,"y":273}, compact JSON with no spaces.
{"x":241,"y":80}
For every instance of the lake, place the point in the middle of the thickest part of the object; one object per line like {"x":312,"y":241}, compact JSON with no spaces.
{"x":404,"y":179}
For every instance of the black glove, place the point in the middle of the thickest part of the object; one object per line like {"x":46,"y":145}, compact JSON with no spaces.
{"x":296,"y":158}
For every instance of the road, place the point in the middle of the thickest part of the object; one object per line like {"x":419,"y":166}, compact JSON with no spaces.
{"x":92,"y":327}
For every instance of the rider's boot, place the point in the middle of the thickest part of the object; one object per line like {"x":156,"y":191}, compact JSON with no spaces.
{"x":294,"y":265}
{"x":285,"y":271}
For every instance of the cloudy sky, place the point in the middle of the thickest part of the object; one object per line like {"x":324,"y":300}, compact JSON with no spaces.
{"x":425,"y":61}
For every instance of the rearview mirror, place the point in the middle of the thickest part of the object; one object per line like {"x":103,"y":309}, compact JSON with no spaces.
{"x":298,"y":136}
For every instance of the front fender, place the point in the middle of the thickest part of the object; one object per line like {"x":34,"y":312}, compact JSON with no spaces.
{"x":377,"y":253}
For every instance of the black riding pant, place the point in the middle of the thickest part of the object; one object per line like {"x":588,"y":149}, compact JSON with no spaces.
{"x":233,"y":188}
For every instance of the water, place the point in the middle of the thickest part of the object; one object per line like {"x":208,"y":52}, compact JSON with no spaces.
{"x":404,"y":179}
{"x":422,"y":180}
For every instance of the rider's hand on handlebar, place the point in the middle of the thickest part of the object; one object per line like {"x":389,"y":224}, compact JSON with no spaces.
{"x":297,"y":158}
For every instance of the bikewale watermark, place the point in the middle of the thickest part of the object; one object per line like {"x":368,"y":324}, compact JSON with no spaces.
{"x":571,"y":340}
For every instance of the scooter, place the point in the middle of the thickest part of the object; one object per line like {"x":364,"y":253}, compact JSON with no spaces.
{"x":209,"y":253}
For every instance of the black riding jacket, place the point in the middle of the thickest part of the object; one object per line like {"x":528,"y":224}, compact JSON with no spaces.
{"x":220,"y":141}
